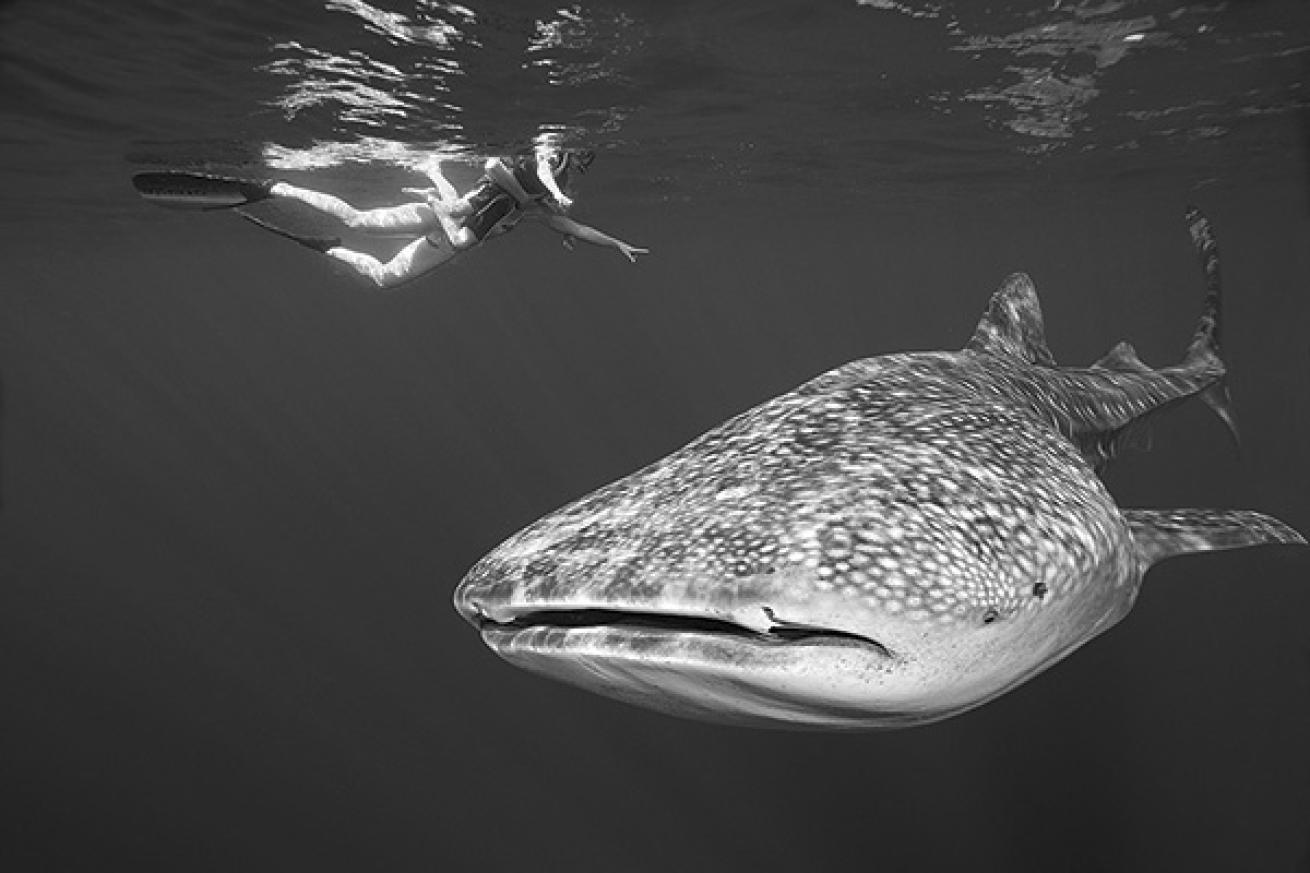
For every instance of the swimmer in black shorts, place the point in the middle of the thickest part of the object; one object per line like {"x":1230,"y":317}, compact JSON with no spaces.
{"x":445,"y":224}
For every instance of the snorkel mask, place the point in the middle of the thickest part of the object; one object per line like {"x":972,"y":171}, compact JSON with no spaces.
{"x":582,"y":159}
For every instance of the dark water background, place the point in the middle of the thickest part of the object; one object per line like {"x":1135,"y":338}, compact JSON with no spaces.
{"x":238,"y":489}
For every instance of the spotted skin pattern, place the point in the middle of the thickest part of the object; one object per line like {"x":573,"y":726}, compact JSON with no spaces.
{"x":893,"y":542}
{"x":882,"y":491}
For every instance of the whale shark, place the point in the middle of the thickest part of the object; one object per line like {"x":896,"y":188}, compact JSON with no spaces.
{"x":894,"y":542}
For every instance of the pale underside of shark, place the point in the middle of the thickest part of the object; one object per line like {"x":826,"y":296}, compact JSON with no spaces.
{"x":894,"y":542}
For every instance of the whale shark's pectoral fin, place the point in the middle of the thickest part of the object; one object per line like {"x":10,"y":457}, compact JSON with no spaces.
{"x":1164,"y":533}
{"x":1012,"y":324}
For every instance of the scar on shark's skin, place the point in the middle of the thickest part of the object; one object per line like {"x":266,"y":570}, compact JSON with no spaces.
{"x":896,"y":541}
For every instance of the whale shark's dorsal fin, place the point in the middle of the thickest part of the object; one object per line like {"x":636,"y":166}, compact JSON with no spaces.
{"x":1012,"y":324}
{"x":1122,"y":358}
{"x":1163,"y":533}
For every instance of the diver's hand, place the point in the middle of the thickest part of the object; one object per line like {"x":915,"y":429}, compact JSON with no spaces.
{"x":631,"y":252}
{"x":567,"y":242}
{"x":430,"y":196}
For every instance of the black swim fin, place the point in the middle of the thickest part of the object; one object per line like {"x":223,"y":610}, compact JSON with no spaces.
{"x":199,"y":191}
{"x":318,"y":243}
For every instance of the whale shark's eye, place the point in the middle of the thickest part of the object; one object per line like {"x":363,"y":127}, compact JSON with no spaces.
{"x":991,"y":615}
{"x":1039,"y":589}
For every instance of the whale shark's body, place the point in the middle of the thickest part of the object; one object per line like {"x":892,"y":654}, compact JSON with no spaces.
{"x":893,"y":542}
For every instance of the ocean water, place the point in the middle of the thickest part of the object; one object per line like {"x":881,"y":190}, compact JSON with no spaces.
{"x":237,"y":488}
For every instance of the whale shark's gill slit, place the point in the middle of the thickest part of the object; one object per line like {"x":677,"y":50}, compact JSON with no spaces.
{"x":597,"y":618}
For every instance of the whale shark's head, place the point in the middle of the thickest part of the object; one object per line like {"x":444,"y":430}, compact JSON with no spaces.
{"x":848,"y":558}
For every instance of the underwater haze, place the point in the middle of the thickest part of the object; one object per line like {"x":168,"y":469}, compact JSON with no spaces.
{"x":238,"y":487}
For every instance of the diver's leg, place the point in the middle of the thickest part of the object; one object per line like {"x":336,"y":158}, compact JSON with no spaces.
{"x":419,"y":257}
{"x":405,"y":218}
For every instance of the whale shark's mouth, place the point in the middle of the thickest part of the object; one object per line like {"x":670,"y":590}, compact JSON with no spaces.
{"x":772,"y":672}
{"x":558,"y":623}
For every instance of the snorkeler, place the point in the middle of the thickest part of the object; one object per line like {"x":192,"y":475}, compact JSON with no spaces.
{"x":444,"y":224}
{"x":447,"y":224}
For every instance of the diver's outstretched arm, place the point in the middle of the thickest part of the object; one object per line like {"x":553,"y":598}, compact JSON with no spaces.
{"x":576,"y":230}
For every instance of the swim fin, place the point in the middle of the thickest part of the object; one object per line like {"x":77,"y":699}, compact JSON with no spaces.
{"x":199,"y":191}
{"x":318,"y":243}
